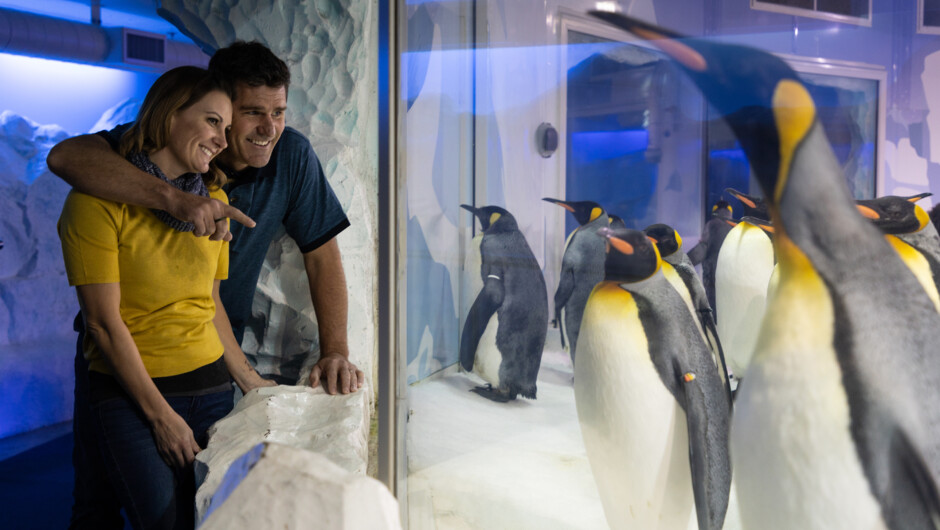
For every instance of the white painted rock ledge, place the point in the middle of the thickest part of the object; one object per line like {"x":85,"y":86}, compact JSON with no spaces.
{"x":292,"y":457}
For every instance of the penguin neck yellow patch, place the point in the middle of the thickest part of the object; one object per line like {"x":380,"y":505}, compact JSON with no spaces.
{"x":678,"y":240}
{"x":918,"y":265}
{"x":494,"y":217}
{"x":794,"y":114}
{"x":595,"y":213}
{"x":922,"y":216}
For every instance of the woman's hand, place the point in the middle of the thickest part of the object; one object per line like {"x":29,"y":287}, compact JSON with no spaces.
{"x":175,"y":440}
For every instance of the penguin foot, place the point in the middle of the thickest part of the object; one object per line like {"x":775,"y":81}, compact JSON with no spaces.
{"x":493,"y":394}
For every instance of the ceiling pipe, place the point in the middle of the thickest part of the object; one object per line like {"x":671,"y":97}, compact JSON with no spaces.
{"x":54,"y":38}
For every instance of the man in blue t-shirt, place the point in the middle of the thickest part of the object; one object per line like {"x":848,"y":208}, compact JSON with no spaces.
{"x":275,"y":179}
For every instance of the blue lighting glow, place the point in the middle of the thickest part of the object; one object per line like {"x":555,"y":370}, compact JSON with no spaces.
{"x":604,"y":145}
{"x":71,"y":95}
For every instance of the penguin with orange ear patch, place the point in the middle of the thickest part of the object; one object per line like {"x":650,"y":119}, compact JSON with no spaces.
{"x":904,"y":223}
{"x":835,"y":424}
{"x":653,"y":411}
{"x":582,"y":267}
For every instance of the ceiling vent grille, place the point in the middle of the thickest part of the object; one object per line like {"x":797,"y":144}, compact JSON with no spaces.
{"x":141,"y":48}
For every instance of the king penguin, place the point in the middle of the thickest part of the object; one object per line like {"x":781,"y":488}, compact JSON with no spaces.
{"x":705,"y":252}
{"x":836,"y":425}
{"x":653,"y":411}
{"x":898,"y":217}
{"x":504,"y":333}
{"x":679,"y":271}
{"x":582,"y":267}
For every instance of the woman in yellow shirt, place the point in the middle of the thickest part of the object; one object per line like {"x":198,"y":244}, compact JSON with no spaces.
{"x":159,"y":345}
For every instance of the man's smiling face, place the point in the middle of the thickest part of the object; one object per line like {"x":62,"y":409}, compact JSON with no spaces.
{"x":257,"y":124}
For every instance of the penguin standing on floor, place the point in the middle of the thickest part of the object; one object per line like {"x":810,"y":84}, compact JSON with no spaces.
{"x":745,"y":265}
{"x":705,"y":252}
{"x":582,"y":267}
{"x":679,"y":270}
{"x":653,"y":411}
{"x":836,"y":424}
{"x":504,"y":333}
{"x":902,"y":221}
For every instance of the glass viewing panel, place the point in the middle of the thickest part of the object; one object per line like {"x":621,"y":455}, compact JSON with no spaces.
{"x":504,"y":104}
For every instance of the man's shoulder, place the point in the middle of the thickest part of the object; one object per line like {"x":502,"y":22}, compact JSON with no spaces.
{"x":293,"y":140}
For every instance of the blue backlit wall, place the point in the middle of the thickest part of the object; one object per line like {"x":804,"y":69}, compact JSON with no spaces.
{"x":43,"y":102}
{"x":71,"y":95}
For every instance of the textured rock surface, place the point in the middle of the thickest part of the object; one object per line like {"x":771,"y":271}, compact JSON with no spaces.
{"x":297,"y":416}
{"x":330,"y":49}
{"x":321,"y":495}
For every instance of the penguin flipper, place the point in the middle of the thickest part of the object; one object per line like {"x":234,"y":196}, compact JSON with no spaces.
{"x":913,"y":496}
{"x":709,"y":458}
{"x":486,"y":303}
{"x":711,"y":332}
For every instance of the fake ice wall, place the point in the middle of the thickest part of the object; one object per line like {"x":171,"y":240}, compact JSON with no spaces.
{"x":37,"y":305}
{"x":330,"y":48}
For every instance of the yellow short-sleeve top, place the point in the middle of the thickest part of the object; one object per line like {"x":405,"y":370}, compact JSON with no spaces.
{"x":166,"y":279}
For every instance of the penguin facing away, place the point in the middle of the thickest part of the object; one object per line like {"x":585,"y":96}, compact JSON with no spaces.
{"x":684,"y":278}
{"x":898,"y":217}
{"x":504,"y":333}
{"x":653,"y":411}
{"x":708,"y":246}
{"x":836,"y":425}
{"x":582,"y":267}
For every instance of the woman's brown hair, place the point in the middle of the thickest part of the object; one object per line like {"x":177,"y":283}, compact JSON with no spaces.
{"x":174,"y":91}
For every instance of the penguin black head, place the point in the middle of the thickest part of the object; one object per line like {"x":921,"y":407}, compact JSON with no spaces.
{"x":584,"y":211}
{"x":615,"y":221}
{"x":754,"y":206}
{"x":492,"y":218}
{"x":667,"y":240}
{"x":759,"y":95}
{"x":895,"y":215}
{"x":631,"y":256}
{"x":722,"y":209}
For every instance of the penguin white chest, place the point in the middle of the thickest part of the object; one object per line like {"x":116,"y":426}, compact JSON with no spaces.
{"x":488,"y":358}
{"x":745,"y":264}
{"x":795,"y":462}
{"x":634,"y":430}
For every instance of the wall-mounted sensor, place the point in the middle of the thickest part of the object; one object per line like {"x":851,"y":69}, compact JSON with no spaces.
{"x":546,"y":138}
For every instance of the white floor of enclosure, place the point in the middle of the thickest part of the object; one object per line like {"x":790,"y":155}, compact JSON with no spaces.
{"x":522,"y":465}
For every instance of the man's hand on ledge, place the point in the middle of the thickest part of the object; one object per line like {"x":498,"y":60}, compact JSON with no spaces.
{"x":337,"y":373}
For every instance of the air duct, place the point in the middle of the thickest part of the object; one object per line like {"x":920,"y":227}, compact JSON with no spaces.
{"x":40,"y":36}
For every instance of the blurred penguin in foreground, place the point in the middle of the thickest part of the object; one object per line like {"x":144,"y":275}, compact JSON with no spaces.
{"x":837,"y":422}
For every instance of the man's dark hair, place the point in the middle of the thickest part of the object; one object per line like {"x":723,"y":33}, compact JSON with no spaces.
{"x":251,"y":63}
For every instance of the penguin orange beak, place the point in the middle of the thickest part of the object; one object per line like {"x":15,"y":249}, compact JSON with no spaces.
{"x":563,"y":204}
{"x":622,"y":246}
{"x":915,"y":198}
{"x":868,"y":212}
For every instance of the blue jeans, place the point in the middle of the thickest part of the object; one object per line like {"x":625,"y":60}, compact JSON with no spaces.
{"x":95,"y":506}
{"x":153,"y":494}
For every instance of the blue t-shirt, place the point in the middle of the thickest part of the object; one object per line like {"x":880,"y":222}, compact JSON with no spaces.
{"x":290,"y":191}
